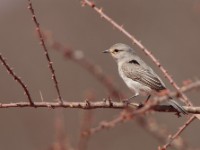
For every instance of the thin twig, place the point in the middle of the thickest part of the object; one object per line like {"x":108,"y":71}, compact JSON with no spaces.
{"x":42,"y":43}
{"x":16,"y":78}
{"x":123,"y":117}
{"x":142,"y":47}
{"x":150,"y":125}
{"x":181,"y":129}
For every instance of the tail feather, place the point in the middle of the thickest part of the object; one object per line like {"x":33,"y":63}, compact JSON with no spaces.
{"x":177,"y":106}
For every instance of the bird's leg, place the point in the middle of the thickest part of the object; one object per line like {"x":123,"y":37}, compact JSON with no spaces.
{"x":142,"y":104}
{"x":127,"y":101}
{"x":147,"y":98}
{"x":136,"y":94}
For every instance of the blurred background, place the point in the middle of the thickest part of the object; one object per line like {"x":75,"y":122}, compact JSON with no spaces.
{"x":170,"y":29}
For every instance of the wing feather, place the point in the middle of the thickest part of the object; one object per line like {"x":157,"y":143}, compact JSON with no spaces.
{"x":145,"y":76}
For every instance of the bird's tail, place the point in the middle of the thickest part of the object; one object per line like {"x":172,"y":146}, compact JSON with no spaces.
{"x":177,"y":106}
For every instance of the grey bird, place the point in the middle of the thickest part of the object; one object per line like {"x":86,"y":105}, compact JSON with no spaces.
{"x":137,"y":75}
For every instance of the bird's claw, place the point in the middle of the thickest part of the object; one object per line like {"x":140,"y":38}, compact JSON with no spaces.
{"x":126,"y":102}
{"x":140,"y":105}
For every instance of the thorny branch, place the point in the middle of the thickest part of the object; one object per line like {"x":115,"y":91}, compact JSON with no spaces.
{"x":126,"y":116}
{"x":181,"y":129}
{"x":159,"y":132}
{"x":16,"y":78}
{"x":42,"y":43}
{"x":111,"y":104}
{"x":123,"y":117}
{"x":142,"y":47}
{"x":98,"y":104}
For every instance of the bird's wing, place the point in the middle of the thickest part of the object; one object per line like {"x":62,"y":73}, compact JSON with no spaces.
{"x":143,"y":75}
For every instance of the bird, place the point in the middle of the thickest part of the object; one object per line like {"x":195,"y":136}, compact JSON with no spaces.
{"x":137,"y":75}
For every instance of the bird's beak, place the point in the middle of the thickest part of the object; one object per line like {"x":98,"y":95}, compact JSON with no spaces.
{"x":106,"y":51}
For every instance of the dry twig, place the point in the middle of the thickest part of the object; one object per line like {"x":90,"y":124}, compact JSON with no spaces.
{"x":16,"y":78}
{"x":98,"y":104}
{"x":123,"y":117}
{"x":112,"y":104}
{"x":181,"y":129}
{"x":158,"y":132}
{"x":42,"y":43}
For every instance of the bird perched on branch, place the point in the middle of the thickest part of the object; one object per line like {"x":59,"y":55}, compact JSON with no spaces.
{"x":137,"y":75}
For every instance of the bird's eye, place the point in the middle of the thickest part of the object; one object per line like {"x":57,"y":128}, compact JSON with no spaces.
{"x":116,"y":50}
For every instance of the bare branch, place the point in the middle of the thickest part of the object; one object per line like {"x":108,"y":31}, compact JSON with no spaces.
{"x":16,"y":78}
{"x":99,"y":104}
{"x":42,"y":43}
{"x":123,"y":117}
{"x":111,"y":104}
{"x":142,"y":47}
{"x":159,"y":132}
{"x":181,"y":129}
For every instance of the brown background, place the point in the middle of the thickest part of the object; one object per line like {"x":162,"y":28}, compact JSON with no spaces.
{"x":170,"y":29}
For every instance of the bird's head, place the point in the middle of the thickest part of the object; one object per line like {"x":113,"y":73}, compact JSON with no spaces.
{"x":120,"y":51}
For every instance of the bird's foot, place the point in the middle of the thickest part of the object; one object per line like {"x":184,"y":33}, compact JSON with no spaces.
{"x":141,"y":105}
{"x":126,"y":102}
